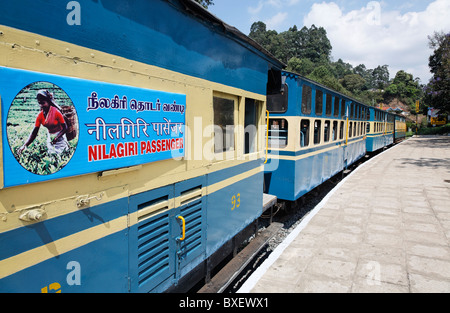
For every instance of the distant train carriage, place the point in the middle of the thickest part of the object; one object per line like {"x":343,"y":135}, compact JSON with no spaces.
{"x":380,"y":129}
{"x":314,"y":133}
{"x":400,"y":128}
{"x":164,"y":162}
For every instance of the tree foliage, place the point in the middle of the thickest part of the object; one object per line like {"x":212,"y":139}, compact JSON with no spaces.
{"x":437,"y":92}
{"x":308,"y":52}
{"x":205,"y":3}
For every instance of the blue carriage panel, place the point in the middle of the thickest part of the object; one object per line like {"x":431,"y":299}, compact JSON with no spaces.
{"x":281,"y":181}
{"x":232,"y":207}
{"x":60,"y":263}
{"x":139,"y":31}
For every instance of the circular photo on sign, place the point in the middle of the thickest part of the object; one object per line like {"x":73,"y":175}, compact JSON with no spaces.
{"x":42,"y":128}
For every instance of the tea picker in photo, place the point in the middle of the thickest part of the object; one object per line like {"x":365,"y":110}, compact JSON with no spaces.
{"x":50,"y":117}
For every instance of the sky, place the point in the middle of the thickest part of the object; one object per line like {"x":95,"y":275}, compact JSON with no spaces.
{"x":393,"y":33}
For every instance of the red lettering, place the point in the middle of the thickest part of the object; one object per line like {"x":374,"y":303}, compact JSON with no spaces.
{"x":120,"y":150}
{"x":131,"y":150}
{"x":92,"y":153}
{"x":112,"y":151}
{"x":158,"y":146}
{"x":104,"y":156}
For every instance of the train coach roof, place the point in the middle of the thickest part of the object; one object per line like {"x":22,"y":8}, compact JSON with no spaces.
{"x":194,"y":8}
{"x":295,"y":76}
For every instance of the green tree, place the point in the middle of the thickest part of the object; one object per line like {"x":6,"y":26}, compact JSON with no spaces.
{"x":380,"y":77}
{"x":310,"y":43}
{"x":303,"y":67}
{"x":353,"y":82}
{"x":404,"y":87}
{"x":438,"y":89}
{"x":316,"y":44}
{"x":205,"y":3}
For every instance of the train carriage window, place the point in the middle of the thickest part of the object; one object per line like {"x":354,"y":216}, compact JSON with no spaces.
{"x":336,"y":107}
{"x":223,"y":124}
{"x":354,"y":129}
{"x":341,"y":131}
{"x":329,"y":104}
{"x":368,"y":128}
{"x":350,"y":130}
{"x":335,"y":131}
{"x":326,"y":131}
{"x":252,"y":111}
{"x":317,"y":129}
{"x":306,"y":99}
{"x":343,"y":112}
{"x":352,"y":110}
{"x":319,"y":102}
{"x":304,"y":133}
{"x":277,"y":100}
{"x":278,"y":133}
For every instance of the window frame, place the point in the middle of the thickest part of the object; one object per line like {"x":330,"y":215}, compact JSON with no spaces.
{"x":307,"y":142}
{"x":225,"y":148}
{"x":306,"y":107}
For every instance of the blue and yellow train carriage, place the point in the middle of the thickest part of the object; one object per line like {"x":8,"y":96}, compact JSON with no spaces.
{"x":380,"y":129}
{"x":157,"y":161}
{"x":400,"y":128}
{"x":314,"y":133}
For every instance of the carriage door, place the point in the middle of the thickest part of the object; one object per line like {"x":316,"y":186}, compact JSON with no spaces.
{"x":190,"y":228}
{"x":167,"y":234}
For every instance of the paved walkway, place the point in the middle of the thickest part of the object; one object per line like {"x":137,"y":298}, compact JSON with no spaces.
{"x":385,"y":228}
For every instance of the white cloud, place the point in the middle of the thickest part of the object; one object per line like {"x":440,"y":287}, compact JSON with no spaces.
{"x":255,"y":10}
{"x":276,"y":20}
{"x":373,"y":37}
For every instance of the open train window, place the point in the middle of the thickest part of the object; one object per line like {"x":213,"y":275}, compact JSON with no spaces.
{"x":304,"y":133}
{"x":306,"y":99}
{"x":252,"y":112}
{"x":335,"y":130}
{"x":319,"y":102}
{"x":223,"y":124}
{"x":341,"y":131}
{"x":336,"y":107}
{"x":350,"y":130}
{"x":329,"y":104}
{"x":317,"y":129}
{"x":343,"y":112}
{"x":277,"y":92}
{"x":278,"y":133}
{"x":326,"y":131}
{"x":278,"y":102}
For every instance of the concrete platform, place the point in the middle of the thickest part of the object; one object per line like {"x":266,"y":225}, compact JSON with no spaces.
{"x":385,"y":228}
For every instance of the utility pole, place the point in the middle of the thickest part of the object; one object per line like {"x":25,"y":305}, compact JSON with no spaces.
{"x":417,"y":115}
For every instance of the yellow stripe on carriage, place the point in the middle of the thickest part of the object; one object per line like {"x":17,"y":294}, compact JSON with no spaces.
{"x":53,"y":249}
{"x":307,"y":155}
{"x":40,"y":254}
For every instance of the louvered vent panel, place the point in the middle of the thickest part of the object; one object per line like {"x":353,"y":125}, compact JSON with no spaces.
{"x":153,"y":240}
